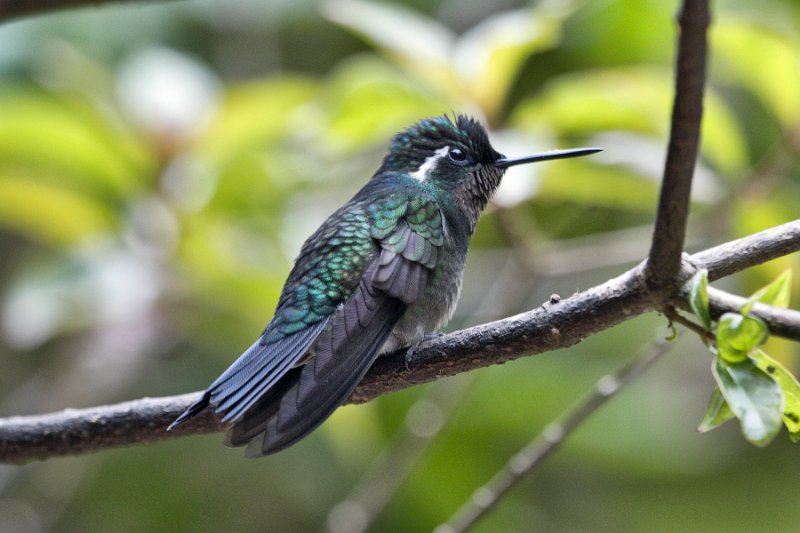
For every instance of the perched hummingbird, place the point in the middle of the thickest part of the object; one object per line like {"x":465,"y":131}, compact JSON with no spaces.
{"x":380,"y":274}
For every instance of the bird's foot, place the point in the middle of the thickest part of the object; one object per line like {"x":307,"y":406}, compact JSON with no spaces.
{"x":413,"y":348}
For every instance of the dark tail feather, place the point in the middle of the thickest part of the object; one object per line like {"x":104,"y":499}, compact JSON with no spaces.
{"x":320,"y":388}
{"x":248,"y":380}
{"x":241,"y":386}
{"x":192,"y":410}
{"x":254,"y":421}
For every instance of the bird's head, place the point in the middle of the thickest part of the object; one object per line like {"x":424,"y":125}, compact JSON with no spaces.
{"x":455,"y":155}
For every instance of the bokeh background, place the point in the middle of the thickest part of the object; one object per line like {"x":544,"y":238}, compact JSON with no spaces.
{"x":160,"y":165}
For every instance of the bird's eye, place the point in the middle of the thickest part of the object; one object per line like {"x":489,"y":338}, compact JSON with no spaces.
{"x":457,"y":155}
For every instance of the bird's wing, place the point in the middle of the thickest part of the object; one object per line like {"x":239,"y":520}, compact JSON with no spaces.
{"x":409,"y":230}
{"x":323,"y":277}
{"x":350,"y":285}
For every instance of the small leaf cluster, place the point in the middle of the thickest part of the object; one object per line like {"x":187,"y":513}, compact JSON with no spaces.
{"x":751,"y":385}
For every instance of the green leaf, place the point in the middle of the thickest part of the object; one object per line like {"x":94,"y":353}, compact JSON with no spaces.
{"x":776,"y":293}
{"x":753,"y":397}
{"x":698,"y":298}
{"x":355,"y":90}
{"x":790,"y":387}
{"x":52,"y":215}
{"x":738,"y":335}
{"x":717,"y":412}
{"x":603,"y":100}
{"x":67,"y":143}
{"x":419,"y":43}
{"x":755,"y":56}
{"x":479,"y":67}
{"x":253,"y":115}
{"x":487,"y":58}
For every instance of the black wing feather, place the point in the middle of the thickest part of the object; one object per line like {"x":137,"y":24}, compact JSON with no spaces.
{"x":265,"y":408}
{"x":341,"y":359}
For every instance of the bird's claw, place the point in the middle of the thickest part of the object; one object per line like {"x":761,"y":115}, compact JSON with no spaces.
{"x":413,"y":348}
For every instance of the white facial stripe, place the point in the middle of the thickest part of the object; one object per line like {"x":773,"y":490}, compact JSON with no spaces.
{"x":421,"y":173}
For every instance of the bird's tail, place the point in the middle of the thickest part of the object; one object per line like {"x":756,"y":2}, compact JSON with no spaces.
{"x":311,"y":393}
{"x":192,"y":410}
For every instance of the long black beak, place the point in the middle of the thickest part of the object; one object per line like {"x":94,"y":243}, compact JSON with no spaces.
{"x":546,"y":156}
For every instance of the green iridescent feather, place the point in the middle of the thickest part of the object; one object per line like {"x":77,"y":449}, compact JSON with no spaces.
{"x":332,"y":261}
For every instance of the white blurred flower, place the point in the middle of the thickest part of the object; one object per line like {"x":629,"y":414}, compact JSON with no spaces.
{"x":167,"y":93}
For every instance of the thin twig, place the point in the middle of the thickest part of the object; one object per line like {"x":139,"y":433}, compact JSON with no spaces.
{"x":781,"y":322}
{"x":664,"y":261}
{"x":674,"y":316}
{"x":552,"y":436}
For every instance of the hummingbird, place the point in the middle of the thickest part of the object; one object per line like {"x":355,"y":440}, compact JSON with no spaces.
{"x":380,"y":274}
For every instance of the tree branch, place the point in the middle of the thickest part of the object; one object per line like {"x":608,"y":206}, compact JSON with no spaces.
{"x":734,"y":256}
{"x":78,"y":431}
{"x":664,"y":262}
{"x":12,"y":9}
{"x":549,"y":327}
{"x":782,"y":322}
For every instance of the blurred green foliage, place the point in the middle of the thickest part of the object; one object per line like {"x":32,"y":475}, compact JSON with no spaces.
{"x":160,"y":166}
